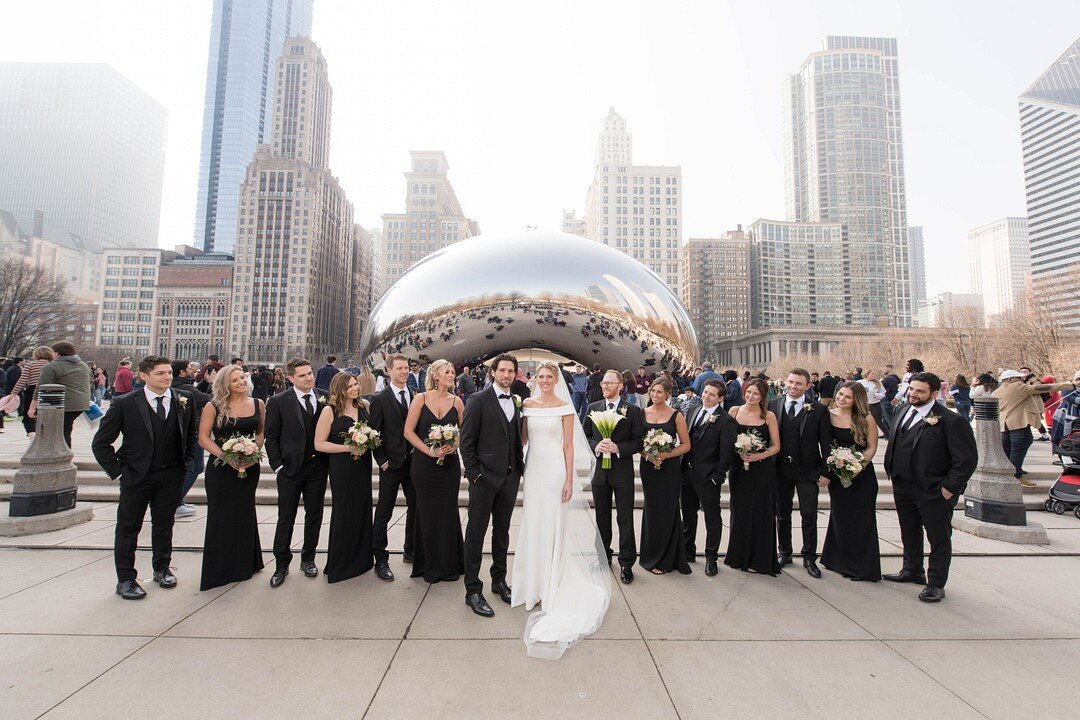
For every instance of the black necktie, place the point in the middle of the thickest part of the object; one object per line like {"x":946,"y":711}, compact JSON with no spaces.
{"x":703,"y":416}
{"x":911,"y":419}
{"x":791,"y":410}
{"x":307,"y":404}
{"x":161,"y":408}
{"x":404,"y":402}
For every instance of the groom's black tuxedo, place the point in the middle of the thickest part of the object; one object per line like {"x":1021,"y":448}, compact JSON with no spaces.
{"x":151,"y":463}
{"x":290,"y":448}
{"x":617,"y":480}
{"x":921,"y":459}
{"x":805,"y":443}
{"x":712,"y":451}
{"x":491,"y":454}
{"x":388,"y":417}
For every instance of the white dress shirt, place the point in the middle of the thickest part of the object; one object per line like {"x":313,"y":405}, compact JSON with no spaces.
{"x":507,"y":404}
{"x":921,"y":412}
{"x":151,"y":398}
{"x":314,"y":399}
{"x":799,"y":402}
{"x":705,"y":414}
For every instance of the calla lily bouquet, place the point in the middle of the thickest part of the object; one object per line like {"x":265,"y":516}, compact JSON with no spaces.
{"x":605,"y":421}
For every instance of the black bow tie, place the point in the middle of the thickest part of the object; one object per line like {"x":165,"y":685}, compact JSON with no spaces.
{"x":504,"y":397}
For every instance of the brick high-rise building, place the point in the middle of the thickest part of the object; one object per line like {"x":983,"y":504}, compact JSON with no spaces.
{"x":716,"y":289}
{"x":193,"y":305}
{"x":294,"y":284}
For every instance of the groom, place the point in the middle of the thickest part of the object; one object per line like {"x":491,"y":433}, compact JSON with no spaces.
{"x":492,"y":456}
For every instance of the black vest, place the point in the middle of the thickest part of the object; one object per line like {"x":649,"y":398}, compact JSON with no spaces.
{"x":167,"y":453}
{"x":309,"y":426}
{"x":515,"y":443}
{"x":903,"y":443}
{"x":790,"y":437}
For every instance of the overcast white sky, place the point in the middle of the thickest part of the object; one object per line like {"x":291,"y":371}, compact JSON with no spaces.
{"x":514,"y":94}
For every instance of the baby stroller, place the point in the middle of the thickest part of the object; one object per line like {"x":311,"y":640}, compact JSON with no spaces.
{"x":1065,"y":437}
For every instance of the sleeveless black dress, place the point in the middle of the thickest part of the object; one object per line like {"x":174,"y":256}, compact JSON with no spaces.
{"x":231,"y":548}
{"x":752,"y":537}
{"x":851,"y":542}
{"x":662,"y":544}
{"x":349,"y":550}
{"x":438,"y":546}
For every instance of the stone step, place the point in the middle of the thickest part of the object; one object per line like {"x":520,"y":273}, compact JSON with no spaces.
{"x":268,"y":496}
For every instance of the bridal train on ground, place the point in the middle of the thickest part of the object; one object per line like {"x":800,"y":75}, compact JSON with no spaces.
{"x":559,"y":562}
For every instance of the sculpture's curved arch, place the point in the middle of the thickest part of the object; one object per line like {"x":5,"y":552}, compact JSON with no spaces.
{"x":560,"y":292}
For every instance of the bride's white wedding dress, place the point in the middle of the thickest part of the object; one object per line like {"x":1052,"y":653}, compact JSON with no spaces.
{"x":558,"y":561}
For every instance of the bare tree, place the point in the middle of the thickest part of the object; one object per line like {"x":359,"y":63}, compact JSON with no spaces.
{"x":32,"y":304}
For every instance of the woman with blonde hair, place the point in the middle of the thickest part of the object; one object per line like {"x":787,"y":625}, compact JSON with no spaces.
{"x":851,"y":542}
{"x":367,"y":383}
{"x":438,"y":546}
{"x":231,"y":548}
{"x":349,"y":549}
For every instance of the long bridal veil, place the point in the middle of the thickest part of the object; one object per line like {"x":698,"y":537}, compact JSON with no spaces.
{"x":582,"y":589}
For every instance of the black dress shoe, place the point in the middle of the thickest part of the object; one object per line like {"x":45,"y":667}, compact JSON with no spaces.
{"x":784,"y":558}
{"x":691,"y":555}
{"x":383,"y":571}
{"x":906,"y":576}
{"x":811,"y":568}
{"x":710,"y":567}
{"x":406,"y":558}
{"x":309,"y":569}
{"x":502,"y":590}
{"x":130,"y":590}
{"x":165,"y":578}
{"x":278,"y":577}
{"x":626,"y":574}
{"x":479,"y":605}
{"x":932,"y":594}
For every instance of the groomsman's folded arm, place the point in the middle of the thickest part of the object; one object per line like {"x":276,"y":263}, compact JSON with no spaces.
{"x":729,"y":433}
{"x":631,"y":447}
{"x":375,"y":422}
{"x":273,"y":433}
{"x":964,"y":456}
{"x":106,"y":435}
{"x":192,"y":449}
{"x":470,"y":429}
{"x":824,"y":444}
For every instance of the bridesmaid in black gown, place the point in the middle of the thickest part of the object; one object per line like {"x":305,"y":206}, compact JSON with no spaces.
{"x":438,"y":548}
{"x":231,"y":548}
{"x":851,"y":542}
{"x":349,"y":551}
{"x":752,"y":537}
{"x":662,"y":547}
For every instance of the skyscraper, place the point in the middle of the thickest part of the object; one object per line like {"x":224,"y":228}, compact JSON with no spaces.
{"x":83,"y":144}
{"x":844,"y":162}
{"x":433,"y":217}
{"x":917,"y":262}
{"x":246,"y":37}
{"x":716,"y":289}
{"x":1050,"y":136}
{"x":294,"y":286}
{"x":1000,"y":259}
{"x":636,"y":209}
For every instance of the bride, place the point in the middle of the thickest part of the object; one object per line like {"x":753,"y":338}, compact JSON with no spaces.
{"x":559,"y":561}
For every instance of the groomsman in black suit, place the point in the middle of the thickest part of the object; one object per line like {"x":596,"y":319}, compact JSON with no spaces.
{"x":805,"y":443}
{"x":930,"y":458}
{"x":618,"y":480}
{"x":301,"y":471}
{"x":389,"y":408}
{"x":712,"y":451}
{"x":492,"y":456}
{"x":161,"y":438}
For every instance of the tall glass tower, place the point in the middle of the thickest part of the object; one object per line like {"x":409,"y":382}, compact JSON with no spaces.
{"x":246,"y":39}
{"x":844,"y":162}
{"x":1050,"y":136}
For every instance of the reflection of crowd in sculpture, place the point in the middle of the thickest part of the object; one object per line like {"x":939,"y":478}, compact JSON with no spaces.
{"x":414,"y":336}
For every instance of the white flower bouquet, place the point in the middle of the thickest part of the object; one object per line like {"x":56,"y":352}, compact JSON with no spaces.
{"x":442,"y":436}
{"x":240,"y":449}
{"x":846,"y":463}
{"x":657,"y":441}
{"x":748,"y":443}
{"x":605,"y":421}
{"x":360,"y":438}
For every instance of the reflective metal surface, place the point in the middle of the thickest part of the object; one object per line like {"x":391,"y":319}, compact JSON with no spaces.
{"x":532,"y":289}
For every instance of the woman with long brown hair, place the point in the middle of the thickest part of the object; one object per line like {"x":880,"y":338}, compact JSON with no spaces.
{"x":231,"y":548}
{"x":349,"y":549}
{"x":752,"y":537}
{"x":663,"y":547}
{"x":851,"y":542}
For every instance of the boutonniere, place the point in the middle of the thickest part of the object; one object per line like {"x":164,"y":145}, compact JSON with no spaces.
{"x":711,"y":419}
{"x":931,"y":420}
{"x":183,"y":401}
{"x":517,"y":401}
{"x":808,"y":408}
{"x":322,"y":399}
{"x":622,"y":410}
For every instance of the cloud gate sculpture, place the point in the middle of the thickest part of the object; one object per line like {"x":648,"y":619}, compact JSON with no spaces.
{"x":532,"y":290}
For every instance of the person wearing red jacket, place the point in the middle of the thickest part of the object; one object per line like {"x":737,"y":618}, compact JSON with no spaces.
{"x":123,"y":378}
